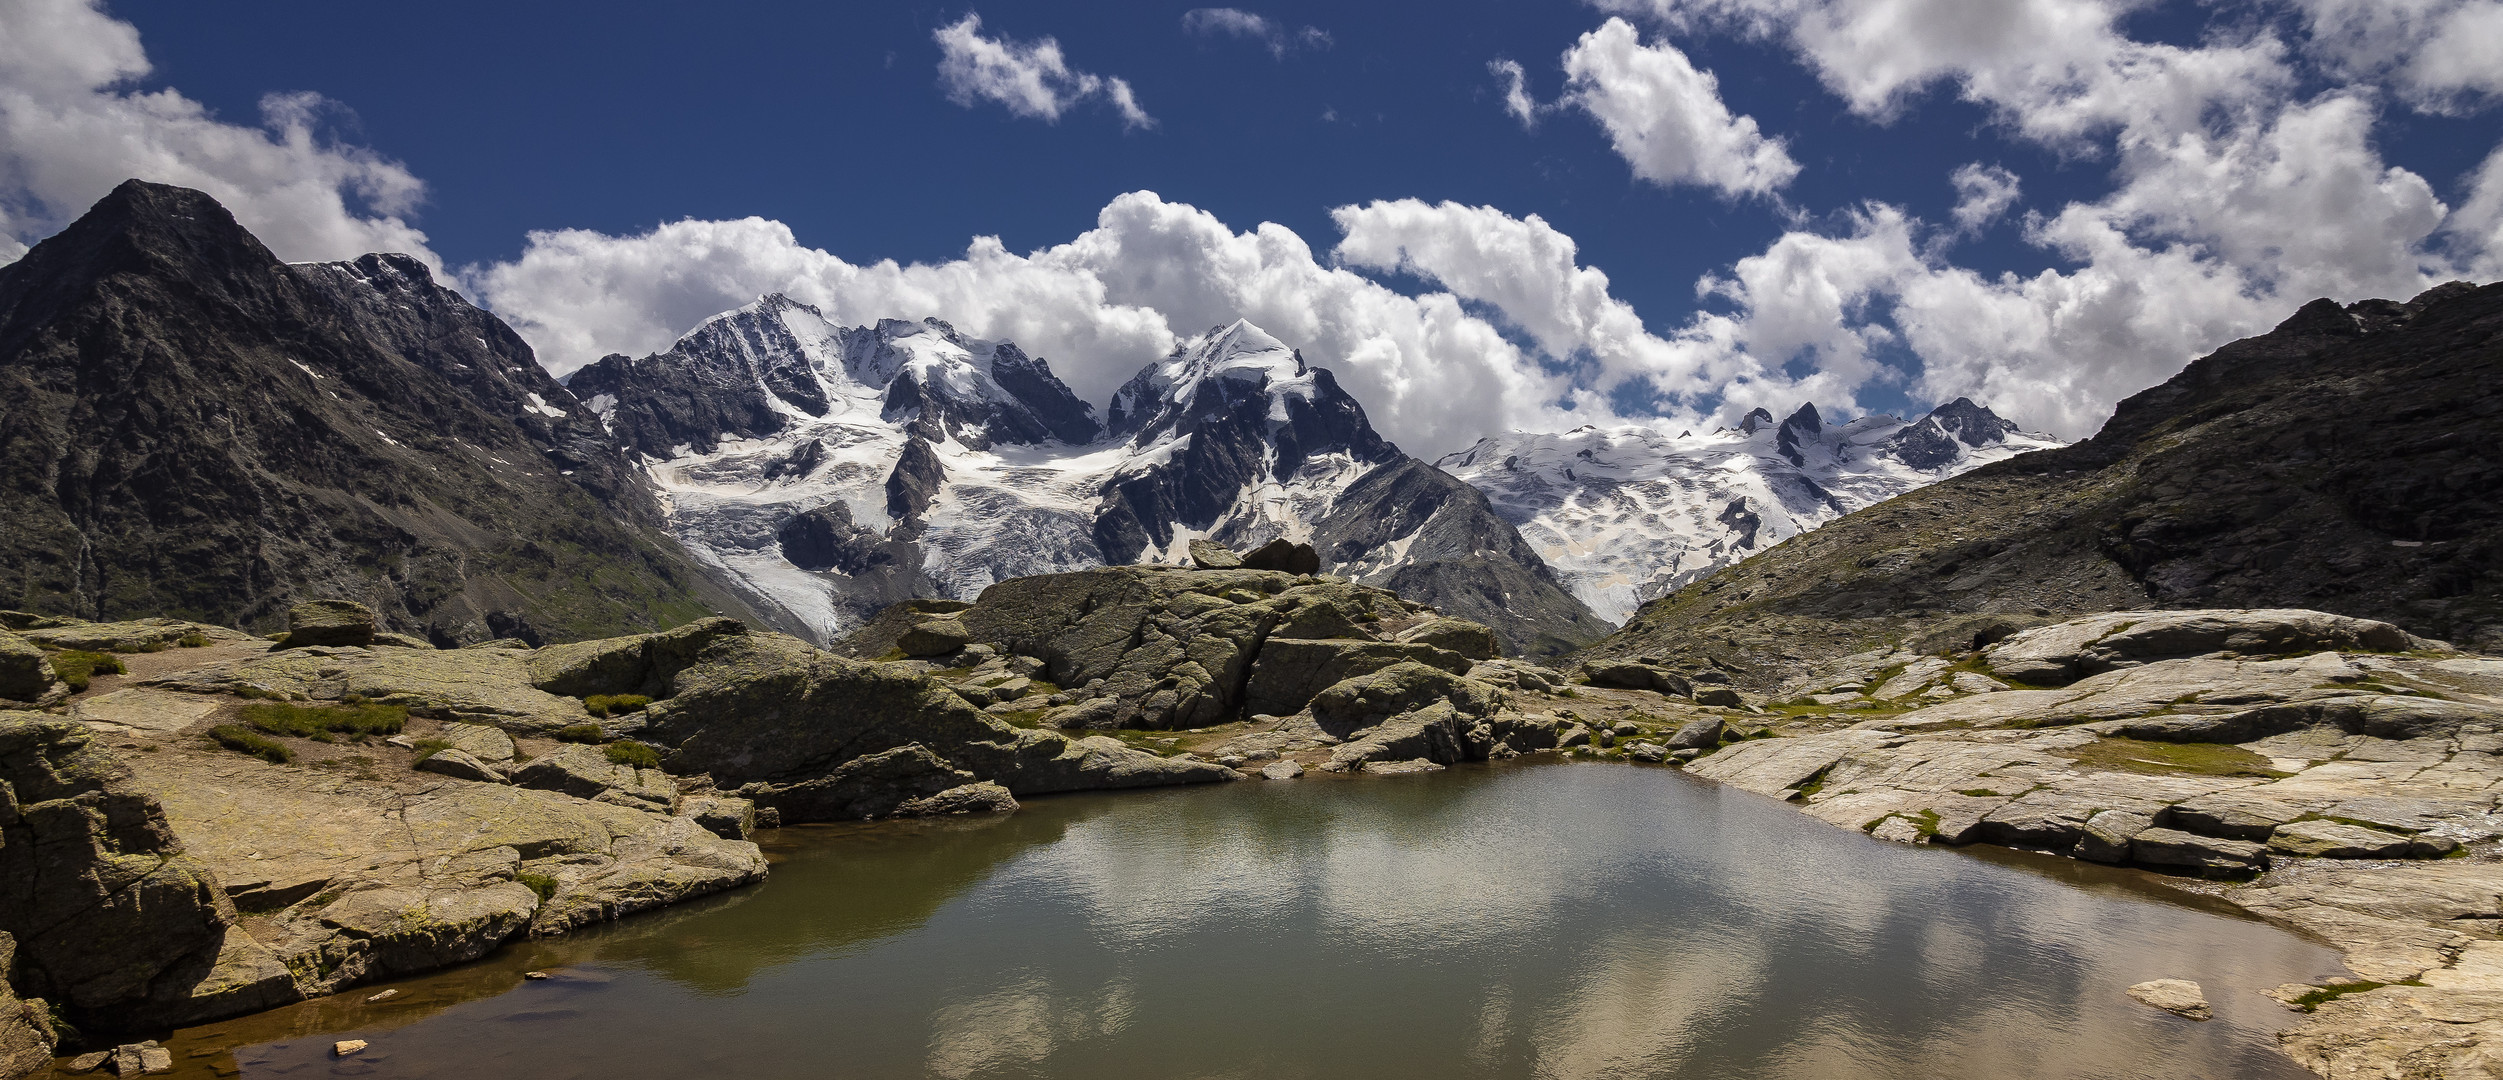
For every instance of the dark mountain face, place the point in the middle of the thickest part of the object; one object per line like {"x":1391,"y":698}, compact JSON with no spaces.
{"x":2344,"y":462}
{"x":1931,"y":443}
{"x":190,"y":427}
{"x":1458,"y":556}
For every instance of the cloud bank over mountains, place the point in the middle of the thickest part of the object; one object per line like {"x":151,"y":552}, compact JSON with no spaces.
{"x":2243,"y":178}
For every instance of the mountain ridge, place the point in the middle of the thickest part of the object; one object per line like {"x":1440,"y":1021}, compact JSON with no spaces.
{"x":194,"y":428}
{"x":2340,"y":462}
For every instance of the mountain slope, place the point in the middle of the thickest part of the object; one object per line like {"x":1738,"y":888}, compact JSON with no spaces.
{"x":829,"y":471}
{"x":1626,"y":515}
{"x":2344,"y":462}
{"x":190,"y":427}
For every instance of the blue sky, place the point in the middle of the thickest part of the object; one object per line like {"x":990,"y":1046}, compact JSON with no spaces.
{"x":1820,"y":198}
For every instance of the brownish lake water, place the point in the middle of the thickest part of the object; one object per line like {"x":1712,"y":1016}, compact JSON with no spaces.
{"x":1547,"y":919}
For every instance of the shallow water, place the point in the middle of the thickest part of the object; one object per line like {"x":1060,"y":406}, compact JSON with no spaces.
{"x":1533,"y":920}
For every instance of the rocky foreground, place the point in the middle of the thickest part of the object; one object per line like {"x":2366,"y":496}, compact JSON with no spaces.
{"x":2334,"y":774}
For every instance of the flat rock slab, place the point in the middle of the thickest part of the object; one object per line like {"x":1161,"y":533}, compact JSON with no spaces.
{"x":155,"y":711}
{"x":2180,"y":997}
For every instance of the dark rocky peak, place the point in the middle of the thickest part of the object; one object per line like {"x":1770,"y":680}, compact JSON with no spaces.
{"x":216,"y":433}
{"x":949,"y":386}
{"x":1753,"y":420}
{"x":1240,"y":407}
{"x":1971,"y":424}
{"x":1803,"y":426}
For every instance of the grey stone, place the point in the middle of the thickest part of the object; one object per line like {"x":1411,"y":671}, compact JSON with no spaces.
{"x":1211,"y":555}
{"x":585,"y":772}
{"x":25,"y":675}
{"x":1400,"y":768}
{"x":2172,"y":847}
{"x":1627,"y":675}
{"x":2234,"y":815}
{"x":725,"y":817}
{"x":1290,"y":673}
{"x":480,"y":741}
{"x":1281,"y":770}
{"x":2180,"y":997}
{"x":1697,"y":734}
{"x":1285,"y":557}
{"x":1719,"y":695}
{"x":330,"y":622}
{"x":459,"y":765}
{"x":937,"y":637}
{"x":979,"y":797}
{"x":1473,"y":640}
{"x":2106,"y":837}
{"x":2331,"y":840}
{"x":1647,"y":751}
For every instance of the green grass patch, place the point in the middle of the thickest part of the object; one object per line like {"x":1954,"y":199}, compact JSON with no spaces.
{"x":611,"y":704}
{"x":2197,"y":759}
{"x":1979,"y":793}
{"x":326,"y":723}
{"x":629,"y":752}
{"x":77,"y":666}
{"x":244,"y":740}
{"x":193,"y":640}
{"x":427,"y":748}
{"x":152,"y":646}
{"x":541,"y":884}
{"x":580,"y":733}
{"x":2314,"y":1000}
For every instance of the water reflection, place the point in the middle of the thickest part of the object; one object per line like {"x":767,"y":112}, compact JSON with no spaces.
{"x":1547,"y":920}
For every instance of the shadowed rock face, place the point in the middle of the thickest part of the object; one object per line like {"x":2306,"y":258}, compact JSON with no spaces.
{"x":202,"y":431}
{"x":2342,"y":462}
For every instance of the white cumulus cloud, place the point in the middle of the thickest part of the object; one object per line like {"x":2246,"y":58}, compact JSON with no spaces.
{"x":2441,"y":55}
{"x":1666,"y":117}
{"x":1517,"y":99}
{"x":1032,"y":79}
{"x":73,"y":124}
{"x":1982,"y":193}
{"x":1236,"y":22}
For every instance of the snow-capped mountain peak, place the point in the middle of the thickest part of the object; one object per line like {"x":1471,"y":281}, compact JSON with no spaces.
{"x":1627,"y":514}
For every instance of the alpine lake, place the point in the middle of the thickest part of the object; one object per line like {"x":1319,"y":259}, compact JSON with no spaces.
{"x":1537,"y":918}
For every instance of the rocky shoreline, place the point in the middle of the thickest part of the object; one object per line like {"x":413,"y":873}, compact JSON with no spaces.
{"x":2334,"y":775}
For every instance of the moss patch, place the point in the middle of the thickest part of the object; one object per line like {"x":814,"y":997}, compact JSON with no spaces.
{"x":427,"y":748}
{"x":244,"y":740}
{"x":2197,"y":759}
{"x":628,"y":752}
{"x":580,"y":733}
{"x":612,"y":704}
{"x":326,"y":723}
{"x":2314,"y":1000}
{"x":541,"y":884}
{"x":77,"y":666}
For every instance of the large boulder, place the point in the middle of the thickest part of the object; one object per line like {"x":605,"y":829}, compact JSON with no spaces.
{"x":114,"y":922}
{"x":2063,"y":653}
{"x":1285,"y":557}
{"x":586,"y":772}
{"x":2189,"y":851}
{"x":635,"y":664}
{"x":1633,"y":675}
{"x":1473,"y":640}
{"x":783,"y":724}
{"x":936,"y":637}
{"x":135,"y":635}
{"x":24,"y":673}
{"x":330,"y":622}
{"x":1291,"y":672}
{"x":1375,"y":697}
{"x":1211,"y":555}
{"x":459,"y":765}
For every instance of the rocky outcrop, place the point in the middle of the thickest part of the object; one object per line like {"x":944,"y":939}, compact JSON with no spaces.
{"x":25,"y":674}
{"x":2336,"y":464}
{"x":26,"y":1034}
{"x":114,"y":921}
{"x":203,"y":431}
{"x":1163,"y":648}
{"x":330,"y":622}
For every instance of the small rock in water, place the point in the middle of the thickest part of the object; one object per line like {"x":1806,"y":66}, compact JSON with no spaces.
{"x":2288,"y":994}
{"x":2180,"y":997}
{"x":1401,"y":768}
{"x":87,"y":1063}
{"x":1647,"y":751}
{"x":384,"y":996}
{"x":534,"y":974}
{"x":345,"y":1047}
{"x":1282,"y":770}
